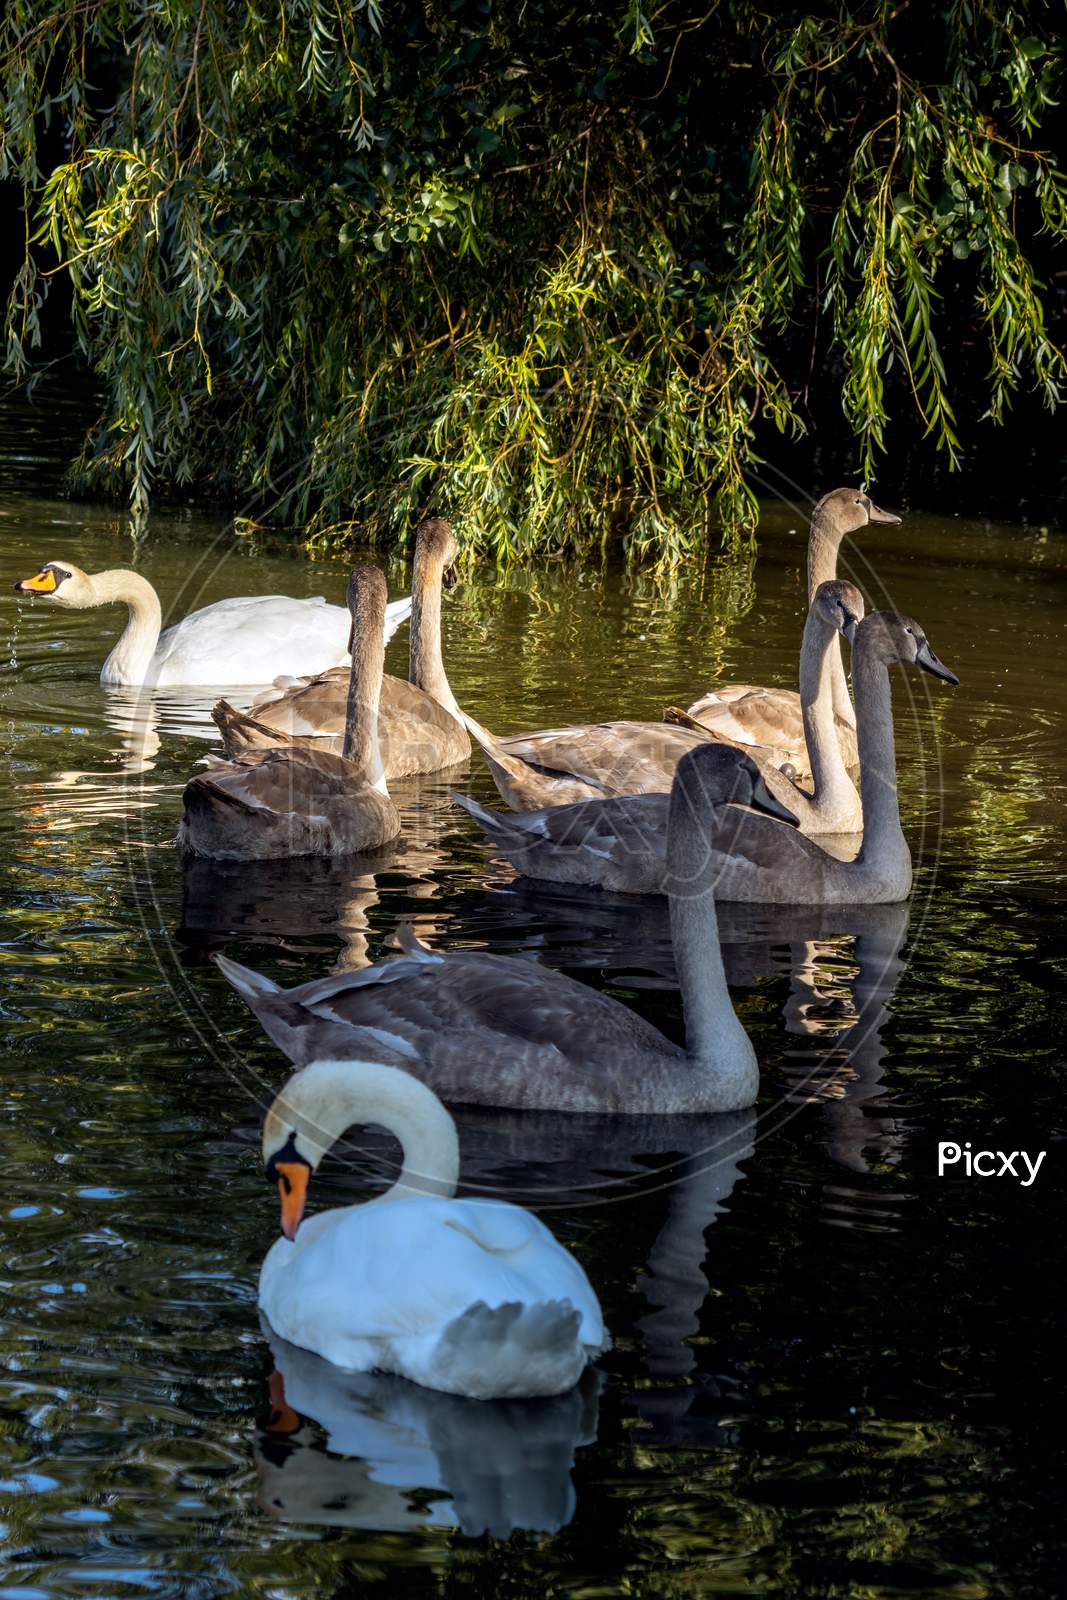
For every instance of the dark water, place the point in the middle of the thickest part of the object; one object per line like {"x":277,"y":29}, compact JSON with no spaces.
{"x":833,"y":1374}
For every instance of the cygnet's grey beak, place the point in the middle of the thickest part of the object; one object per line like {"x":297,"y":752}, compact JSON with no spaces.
{"x":763,"y":800}
{"x":450,"y":577}
{"x":876,"y":514}
{"x":930,"y":663}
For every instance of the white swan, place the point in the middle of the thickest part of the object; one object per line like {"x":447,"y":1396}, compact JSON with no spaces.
{"x":473,"y":1297}
{"x":248,"y":640}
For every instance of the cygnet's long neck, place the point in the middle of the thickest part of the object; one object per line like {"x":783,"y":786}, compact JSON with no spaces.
{"x":883,"y":837}
{"x":131,"y":658}
{"x":715,"y":1039}
{"x":329,"y":1097}
{"x":819,"y":652}
{"x":824,"y":541}
{"x":426,"y":668}
{"x":361,"y":745}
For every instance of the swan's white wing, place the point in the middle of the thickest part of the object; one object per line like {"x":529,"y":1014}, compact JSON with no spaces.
{"x":513,"y":1238}
{"x":251,"y":639}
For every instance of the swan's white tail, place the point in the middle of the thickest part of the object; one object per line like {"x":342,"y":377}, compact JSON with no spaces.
{"x":513,"y":1351}
{"x":396,"y":612}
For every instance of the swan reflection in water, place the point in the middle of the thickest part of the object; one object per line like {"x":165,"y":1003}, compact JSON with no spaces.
{"x":841,"y":986}
{"x":125,"y":783}
{"x":144,"y":717}
{"x":842,"y":965}
{"x":399,"y":1456}
{"x":284,"y":903}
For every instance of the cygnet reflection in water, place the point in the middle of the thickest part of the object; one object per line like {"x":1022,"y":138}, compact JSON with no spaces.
{"x":287,"y":903}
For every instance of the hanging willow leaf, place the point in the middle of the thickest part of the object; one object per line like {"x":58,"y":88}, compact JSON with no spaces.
{"x":545,"y":267}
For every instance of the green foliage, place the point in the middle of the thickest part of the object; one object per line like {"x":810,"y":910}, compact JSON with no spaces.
{"x":541,"y":267}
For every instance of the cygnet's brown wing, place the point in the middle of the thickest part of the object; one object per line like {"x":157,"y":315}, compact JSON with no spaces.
{"x":285,"y":778}
{"x":286,"y":801}
{"x":769,"y":723}
{"x":622,"y":757}
{"x":486,"y":1029}
{"x":415,"y":733}
{"x":724,"y":696}
{"x":762,"y":717}
{"x":616,"y":844}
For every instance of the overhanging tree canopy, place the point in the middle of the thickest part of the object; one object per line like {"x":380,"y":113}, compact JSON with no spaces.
{"x":542,"y":266}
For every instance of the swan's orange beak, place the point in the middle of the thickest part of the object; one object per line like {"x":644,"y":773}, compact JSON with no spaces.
{"x":283,"y":1419}
{"x":292,"y":1190}
{"x":43,"y":582}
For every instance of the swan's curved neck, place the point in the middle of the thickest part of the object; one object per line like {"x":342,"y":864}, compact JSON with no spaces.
{"x":329,"y":1097}
{"x":818,"y":653}
{"x":131,"y":658}
{"x":361,"y":745}
{"x":715,"y":1039}
{"x":426,"y":668}
{"x":882,"y":833}
{"x":824,"y":541}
